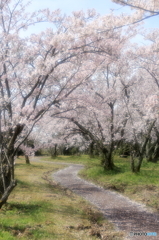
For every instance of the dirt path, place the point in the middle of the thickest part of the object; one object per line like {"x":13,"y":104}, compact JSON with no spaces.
{"x":125,"y":214}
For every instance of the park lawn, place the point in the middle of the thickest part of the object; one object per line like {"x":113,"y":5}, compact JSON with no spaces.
{"x":142,"y":187}
{"x":38,"y":208}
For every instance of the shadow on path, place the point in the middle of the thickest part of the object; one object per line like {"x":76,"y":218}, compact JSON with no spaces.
{"x":126,"y":215}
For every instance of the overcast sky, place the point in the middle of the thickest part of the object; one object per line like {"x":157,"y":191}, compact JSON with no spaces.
{"x":68,"y":6}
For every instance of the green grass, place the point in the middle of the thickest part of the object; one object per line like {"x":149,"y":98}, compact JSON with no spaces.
{"x":38,"y":208}
{"x":83,"y":159}
{"x":142,"y":187}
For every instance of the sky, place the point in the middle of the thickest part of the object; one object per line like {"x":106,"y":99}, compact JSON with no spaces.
{"x":67,"y":6}
{"x":101,"y":6}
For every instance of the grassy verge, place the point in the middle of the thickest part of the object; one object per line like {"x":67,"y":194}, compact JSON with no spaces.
{"x":142,"y":187}
{"x":40,"y":209}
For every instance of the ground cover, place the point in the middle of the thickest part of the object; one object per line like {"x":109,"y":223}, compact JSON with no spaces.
{"x":38,"y":208}
{"x":142,"y":187}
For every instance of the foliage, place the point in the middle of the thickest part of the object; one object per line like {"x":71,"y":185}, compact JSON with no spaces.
{"x":142,"y":187}
{"x":143,"y":9}
{"x":82,"y":83}
{"x":33,"y":77}
{"x":40,"y":209}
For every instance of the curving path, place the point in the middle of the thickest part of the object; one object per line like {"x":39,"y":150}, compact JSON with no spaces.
{"x":126,"y":215}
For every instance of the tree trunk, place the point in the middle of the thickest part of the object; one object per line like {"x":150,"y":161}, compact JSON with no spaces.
{"x":139,"y":153}
{"x":107,"y":160}
{"x":91,"y":150}
{"x":27,"y":160}
{"x":139,"y":162}
{"x":132,"y":164}
{"x":7,"y":182}
{"x":156,"y":154}
{"x":152,"y":153}
{"x":108,"y":164}
{"x":135,"y":162}
{"x":7,"y":154}
{"x":55,"y":153}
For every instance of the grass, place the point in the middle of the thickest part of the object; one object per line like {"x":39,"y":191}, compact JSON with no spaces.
{"x":38,"y":208}
{"x":142,"y":187}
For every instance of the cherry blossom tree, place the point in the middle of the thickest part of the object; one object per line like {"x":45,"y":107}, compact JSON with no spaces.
{"x":119,"y":105}
{"x":99,"y":116}
{"x":39,"y":72}
{"x":54,"y":135}
{"x":142,"y":9}
{"x":42,"y":72}
{"x":138,"y":130}
{"x":147,"y":65}
{"x":54,"y":71}
{"x":142,"y":103}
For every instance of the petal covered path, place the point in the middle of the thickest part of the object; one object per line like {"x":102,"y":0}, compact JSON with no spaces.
{"x":126,"y":215}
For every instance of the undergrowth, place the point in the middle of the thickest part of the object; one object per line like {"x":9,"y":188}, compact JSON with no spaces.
{"x":39,"y":208}
{"x":142,"y":187}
